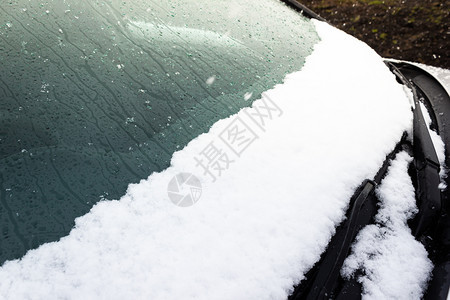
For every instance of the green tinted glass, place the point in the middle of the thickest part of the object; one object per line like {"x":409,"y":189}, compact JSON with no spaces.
{"x":95,"y":95}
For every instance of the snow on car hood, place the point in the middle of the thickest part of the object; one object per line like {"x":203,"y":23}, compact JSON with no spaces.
{"x":262,"y":220}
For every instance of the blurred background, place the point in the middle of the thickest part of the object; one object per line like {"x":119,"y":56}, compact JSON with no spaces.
{"x":413,"y":30}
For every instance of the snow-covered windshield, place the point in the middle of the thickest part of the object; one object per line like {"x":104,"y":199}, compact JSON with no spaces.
{"x":99,"y":94}
{"x":270,"y":184}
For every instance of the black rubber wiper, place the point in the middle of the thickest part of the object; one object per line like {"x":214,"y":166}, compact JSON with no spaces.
{"x":361,"y":213}
{"x":303,"y":9}
{"x":426,"y":165}
{"x":324,"y":281}
{"x":431,"y":226}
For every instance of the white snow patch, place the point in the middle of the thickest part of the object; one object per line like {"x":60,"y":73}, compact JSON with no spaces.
{"x":210,"y":80}
{"x":439,"y":147}
{"x":394,"y":264}
{"x":263,"y":223}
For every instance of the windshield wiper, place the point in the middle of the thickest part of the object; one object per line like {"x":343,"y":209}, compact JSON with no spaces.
{"x":426,"y":165}
{"x":323,"y":281}
{"x":303,"y":9}
{"x":432,"y":224}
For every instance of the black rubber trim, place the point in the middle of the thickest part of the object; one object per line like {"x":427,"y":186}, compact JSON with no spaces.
{"x":426,"y":164}
{"x":303,"y":9}
{"x":436,"y":98}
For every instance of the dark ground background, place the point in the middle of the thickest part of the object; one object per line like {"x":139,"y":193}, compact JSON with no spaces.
{"x":414,"y":30}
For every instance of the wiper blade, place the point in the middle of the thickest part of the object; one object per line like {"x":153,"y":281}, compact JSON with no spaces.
{"x":304,"y":10}
{"x":323,"y":281}
{"x":426,"y":164}
{"x":338,"y":249}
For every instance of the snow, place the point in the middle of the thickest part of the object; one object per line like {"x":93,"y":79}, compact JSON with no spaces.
{"x":210,"y":80}
{"x":439,"y":147}
{"x":262,"y":223}
{"x":394,"y":264}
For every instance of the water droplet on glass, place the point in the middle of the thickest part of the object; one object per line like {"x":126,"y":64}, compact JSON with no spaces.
{"x":248,"y":95}
{"x":211,"y":80}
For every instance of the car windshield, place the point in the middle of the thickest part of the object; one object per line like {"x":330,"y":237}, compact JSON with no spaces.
{"x":96,"y":95}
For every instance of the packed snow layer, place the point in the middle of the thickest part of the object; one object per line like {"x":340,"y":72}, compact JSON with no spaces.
{"x":393,"y":263}
{"x":263,"y":222}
